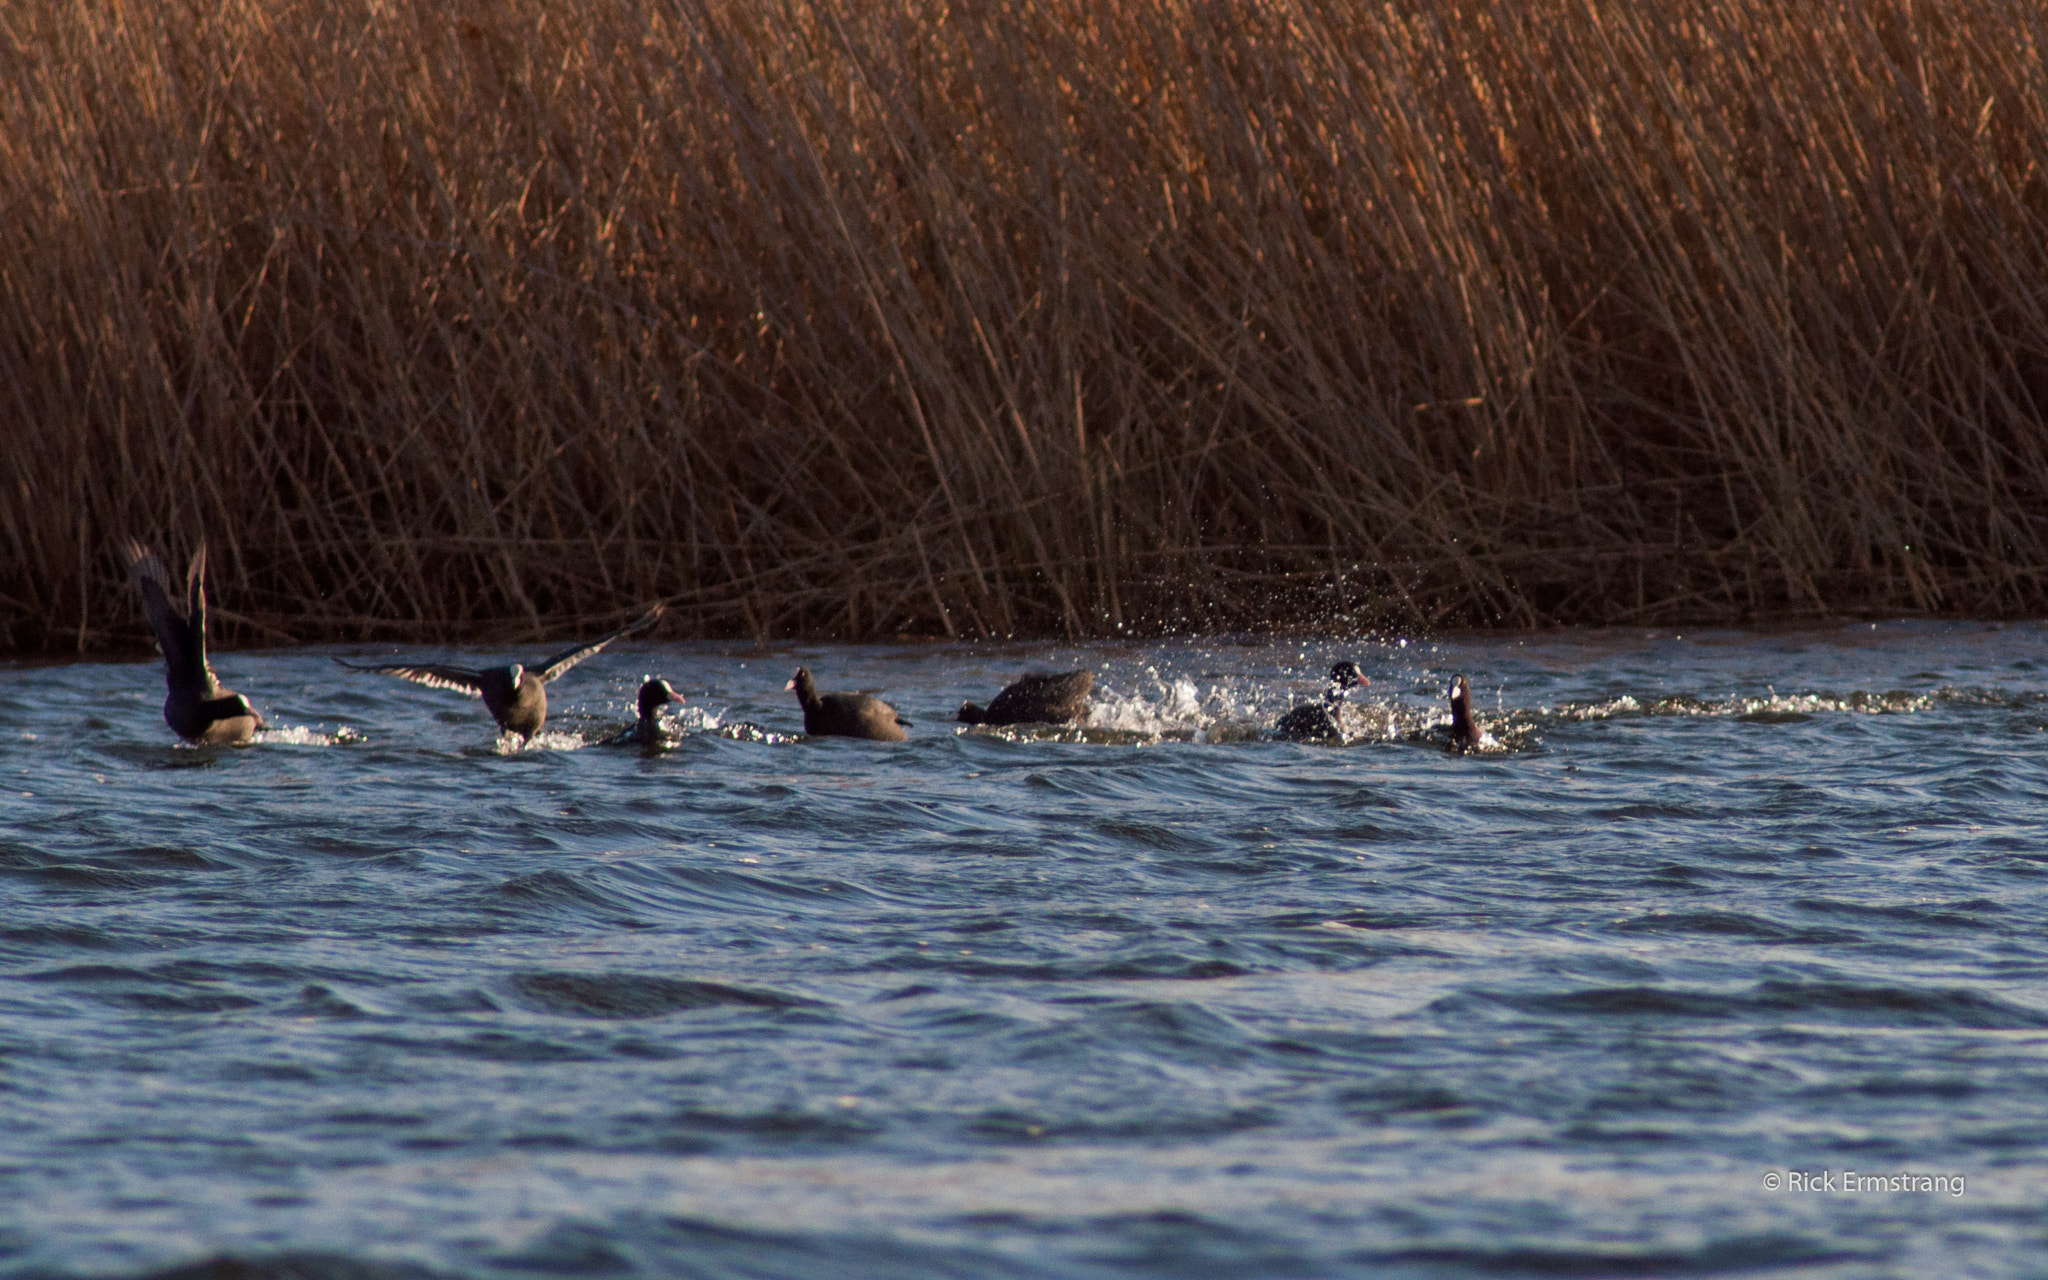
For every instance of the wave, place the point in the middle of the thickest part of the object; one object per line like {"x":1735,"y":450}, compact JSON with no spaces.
{"x":636,"y":995}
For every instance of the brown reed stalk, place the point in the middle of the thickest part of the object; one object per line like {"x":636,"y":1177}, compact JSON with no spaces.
{"x":1056,"y":317}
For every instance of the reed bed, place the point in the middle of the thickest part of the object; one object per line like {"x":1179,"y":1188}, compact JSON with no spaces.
{"x":1048,"y":317}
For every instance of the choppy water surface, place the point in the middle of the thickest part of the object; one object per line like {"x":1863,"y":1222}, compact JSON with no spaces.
{"x":1163,"y":997}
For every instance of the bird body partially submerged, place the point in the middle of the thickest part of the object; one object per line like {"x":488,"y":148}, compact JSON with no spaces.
{"x":199,"y":708}
{"x":1467,"y":734}
{"x":1040,"y":697}
{"x":1320,"y":721}
{"x":515,"y":694}
{"x":846,"y":715}
{"x":655,"y":693}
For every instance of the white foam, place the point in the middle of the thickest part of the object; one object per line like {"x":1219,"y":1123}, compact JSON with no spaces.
{"x":1169,"y":707}
{"x":695,"y":719}
{"x":1370,"y":722}
{"x":298,"y":735}
{"x":546,"y":740}
{"x":1177,"y":708}
{"x":1772,"y":703}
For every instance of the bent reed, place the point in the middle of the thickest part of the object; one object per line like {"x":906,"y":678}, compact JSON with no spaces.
{"x":1070,"y":317}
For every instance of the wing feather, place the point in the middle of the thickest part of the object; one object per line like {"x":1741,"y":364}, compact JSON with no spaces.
{"x":432,"y":675}
{"x":173,"y":629}
{"x":195,"y":595}
{"x":551,"y":668}
{"x":195,"y":616}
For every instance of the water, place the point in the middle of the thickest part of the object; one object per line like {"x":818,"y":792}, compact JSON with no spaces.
{"x":380,"y":997}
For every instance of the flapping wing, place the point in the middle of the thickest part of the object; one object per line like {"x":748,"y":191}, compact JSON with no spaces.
{"x":551,"y":668}
{"x":434,"y":675}
{"x":195,"y":614}
{"x":173,"y":630}
{"x":195,"y":598}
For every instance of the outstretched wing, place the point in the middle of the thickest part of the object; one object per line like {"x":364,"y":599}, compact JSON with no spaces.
{"x":434,"y":676}
{"x":173,"y":630}
{"x":195,"y":598}
{"x":195,"y":614}
{"x":551,"y":668}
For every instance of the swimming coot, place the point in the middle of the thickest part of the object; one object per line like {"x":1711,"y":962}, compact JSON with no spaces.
{"x":1318,"y":721}
{"x":845,"y":715}
{"x":1467,"y":734}
{"x":655,"y":693}
{"x":1041,"y":697}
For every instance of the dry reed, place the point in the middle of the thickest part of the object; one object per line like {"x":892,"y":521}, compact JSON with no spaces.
{"x":1058,"y":317}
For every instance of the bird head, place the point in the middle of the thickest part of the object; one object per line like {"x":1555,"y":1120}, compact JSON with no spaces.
{"x":655,"y":693}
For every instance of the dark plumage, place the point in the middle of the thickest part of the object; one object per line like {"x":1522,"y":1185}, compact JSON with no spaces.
{"x":199,"y":708}
{"x":1038,"y":697}
{"x":1317,"y":721}
{"x":515,"y":694}
{"x":846,"y":715}
{"x":655,"y":693}
{"x":1466,"y":732}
